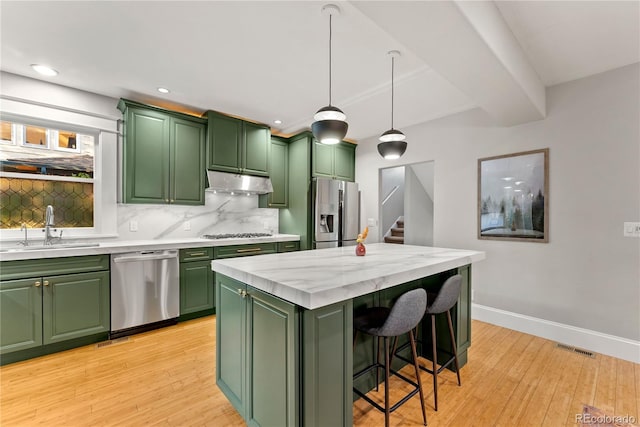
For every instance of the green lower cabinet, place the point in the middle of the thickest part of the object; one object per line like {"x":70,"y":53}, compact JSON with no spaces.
{"x":256,"y":355}
{"x":20,"y":315}
{"x":43,"y":315}
{"x":327,"y":360}
{"x":75,"y":305}
{"x":196,"y":288}
{"x":231,"y":318}
{"x":272,"y":376}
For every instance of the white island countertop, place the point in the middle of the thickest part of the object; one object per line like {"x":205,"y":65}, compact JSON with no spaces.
{"x":317,"y":278}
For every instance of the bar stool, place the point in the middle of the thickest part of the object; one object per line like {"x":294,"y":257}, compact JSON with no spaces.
{"x":401,"y":319}
{"x":442,"y":302}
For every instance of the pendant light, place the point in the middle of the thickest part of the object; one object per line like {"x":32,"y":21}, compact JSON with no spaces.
{"x":392,"y":144}
{"x":329,"y":126}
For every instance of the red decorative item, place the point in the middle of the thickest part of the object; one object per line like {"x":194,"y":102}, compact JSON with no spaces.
{"x":360,"y":250}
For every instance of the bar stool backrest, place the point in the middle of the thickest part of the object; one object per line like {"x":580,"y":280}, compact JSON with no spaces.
{"x":405,"y":314}
{"x":448,"y":295}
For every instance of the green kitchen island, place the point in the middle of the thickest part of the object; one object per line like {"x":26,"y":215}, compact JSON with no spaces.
{"x":284,"y":353}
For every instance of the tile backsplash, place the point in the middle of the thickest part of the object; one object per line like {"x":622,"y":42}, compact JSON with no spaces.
{"x":222,"y":213}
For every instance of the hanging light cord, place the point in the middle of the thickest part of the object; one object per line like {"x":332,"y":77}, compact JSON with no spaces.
{"x":330,"y":16}
{"x":392,"y":66}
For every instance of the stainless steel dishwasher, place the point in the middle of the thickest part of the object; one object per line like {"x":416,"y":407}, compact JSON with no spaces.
{"x":145,"y":291}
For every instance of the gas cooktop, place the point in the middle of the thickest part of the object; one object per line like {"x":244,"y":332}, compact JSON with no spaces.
{"x":235,"y":235}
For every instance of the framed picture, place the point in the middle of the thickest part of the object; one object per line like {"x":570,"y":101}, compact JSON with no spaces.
{"x":513,"y":197}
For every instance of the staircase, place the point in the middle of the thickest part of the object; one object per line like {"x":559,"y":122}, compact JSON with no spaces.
{"x":396,"y":232}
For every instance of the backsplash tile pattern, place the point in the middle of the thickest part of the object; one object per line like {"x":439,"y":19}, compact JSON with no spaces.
{"x":25,"y":201}
{"x":222,"y":213}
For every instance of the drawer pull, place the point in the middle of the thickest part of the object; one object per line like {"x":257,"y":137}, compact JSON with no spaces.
{"x":249,"y":250}
{"x":197,"y":254}
{"x":37,"y":284}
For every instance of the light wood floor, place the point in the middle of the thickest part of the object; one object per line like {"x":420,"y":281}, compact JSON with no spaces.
{"x":167,"y":377}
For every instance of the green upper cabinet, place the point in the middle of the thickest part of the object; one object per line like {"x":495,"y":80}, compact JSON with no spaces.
{"x":163,"y":156}
{"x":187,"y":155}
{"x":255,"y":149}
{"x":344,"y":161}
{"x":334,"y":161}
{"x":322,"y":160}
{"x":223,"y":142}
{"x":237,"y":146}
{"x":279,"y":174}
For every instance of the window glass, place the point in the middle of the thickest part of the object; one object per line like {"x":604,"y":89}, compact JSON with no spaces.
{"x":36,"y":136}
{"x":6,"y":132}
{"x":44,"y":166}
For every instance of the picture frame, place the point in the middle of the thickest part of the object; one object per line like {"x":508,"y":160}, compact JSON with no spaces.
{"x":513,"y":197}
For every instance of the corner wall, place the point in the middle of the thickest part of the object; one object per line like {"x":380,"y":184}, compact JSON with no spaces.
{"x":588,"y":275}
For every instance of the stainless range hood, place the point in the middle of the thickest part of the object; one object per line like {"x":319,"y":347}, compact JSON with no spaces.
{"x":223,"y":182}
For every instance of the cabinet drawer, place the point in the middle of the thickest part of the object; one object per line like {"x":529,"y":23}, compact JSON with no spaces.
{"x":196,"y":254}
{"x":243,"y":250}
{"x":48,"y":267}
{"x":288,"y":246}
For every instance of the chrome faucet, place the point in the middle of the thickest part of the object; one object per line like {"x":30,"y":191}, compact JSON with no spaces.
{"x":25,"y":242}
{"x":49,"y":222}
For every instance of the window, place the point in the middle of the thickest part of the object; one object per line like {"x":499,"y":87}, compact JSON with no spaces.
{"x":41,"y":166}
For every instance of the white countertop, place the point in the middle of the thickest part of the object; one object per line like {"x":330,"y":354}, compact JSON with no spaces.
{"x":122,"y":246}
{"x":314,"y":279}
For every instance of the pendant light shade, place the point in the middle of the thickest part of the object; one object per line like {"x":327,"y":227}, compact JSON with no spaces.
{"x":330,"y":125}
{"x":392,"y":142}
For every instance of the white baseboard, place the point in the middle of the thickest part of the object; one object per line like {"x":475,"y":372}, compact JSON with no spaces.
{"x":598,"y":342}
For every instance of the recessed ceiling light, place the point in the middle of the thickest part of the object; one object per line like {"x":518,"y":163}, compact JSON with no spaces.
{"x":44,"y":70}
{"x":163,"y":90}
{"x":278,"y":122}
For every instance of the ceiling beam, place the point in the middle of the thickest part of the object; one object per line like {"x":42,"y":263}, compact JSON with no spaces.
{"x":470,"y":45}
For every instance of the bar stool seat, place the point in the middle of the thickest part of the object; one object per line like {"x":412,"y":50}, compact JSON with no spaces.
{"x":387,"y":323}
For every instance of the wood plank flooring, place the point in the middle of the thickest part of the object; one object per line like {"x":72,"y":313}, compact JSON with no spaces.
{"x":167,"y":378}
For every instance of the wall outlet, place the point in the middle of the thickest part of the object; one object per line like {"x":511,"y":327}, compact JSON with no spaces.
{"x":133,"y":225}
{"x":632,"y":229}
{"x":473,"y":295}
{"x":186,"y":226}
{"x":371,"y":222}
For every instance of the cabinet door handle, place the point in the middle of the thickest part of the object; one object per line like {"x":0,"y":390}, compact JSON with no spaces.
{"x":37,"y":284}
{"x":46,"y":283}
{"x":242,"y":293}
{"x":249,"y":250}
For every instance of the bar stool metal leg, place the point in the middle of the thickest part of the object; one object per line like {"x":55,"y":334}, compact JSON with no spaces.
{"x":453,"y":345}
{"x":417,"y":368}
{"x":434,"y":357}
{"x":386,"y":382}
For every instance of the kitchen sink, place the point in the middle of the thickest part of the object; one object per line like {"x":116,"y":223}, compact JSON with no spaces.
{"x":41,"y":247}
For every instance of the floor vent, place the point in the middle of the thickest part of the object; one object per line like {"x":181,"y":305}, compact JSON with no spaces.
{"x":576,"y":350}
{"x":110,"y":342}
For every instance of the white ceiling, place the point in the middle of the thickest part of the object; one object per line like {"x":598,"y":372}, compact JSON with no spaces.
{"x":267,"y":60}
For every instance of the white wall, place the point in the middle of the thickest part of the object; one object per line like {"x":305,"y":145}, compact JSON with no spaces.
{"x":418,"y":208}
{"x":588,"y":275}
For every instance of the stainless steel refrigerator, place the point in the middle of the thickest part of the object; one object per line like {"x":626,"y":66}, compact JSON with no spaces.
{"x":336,"y":213}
